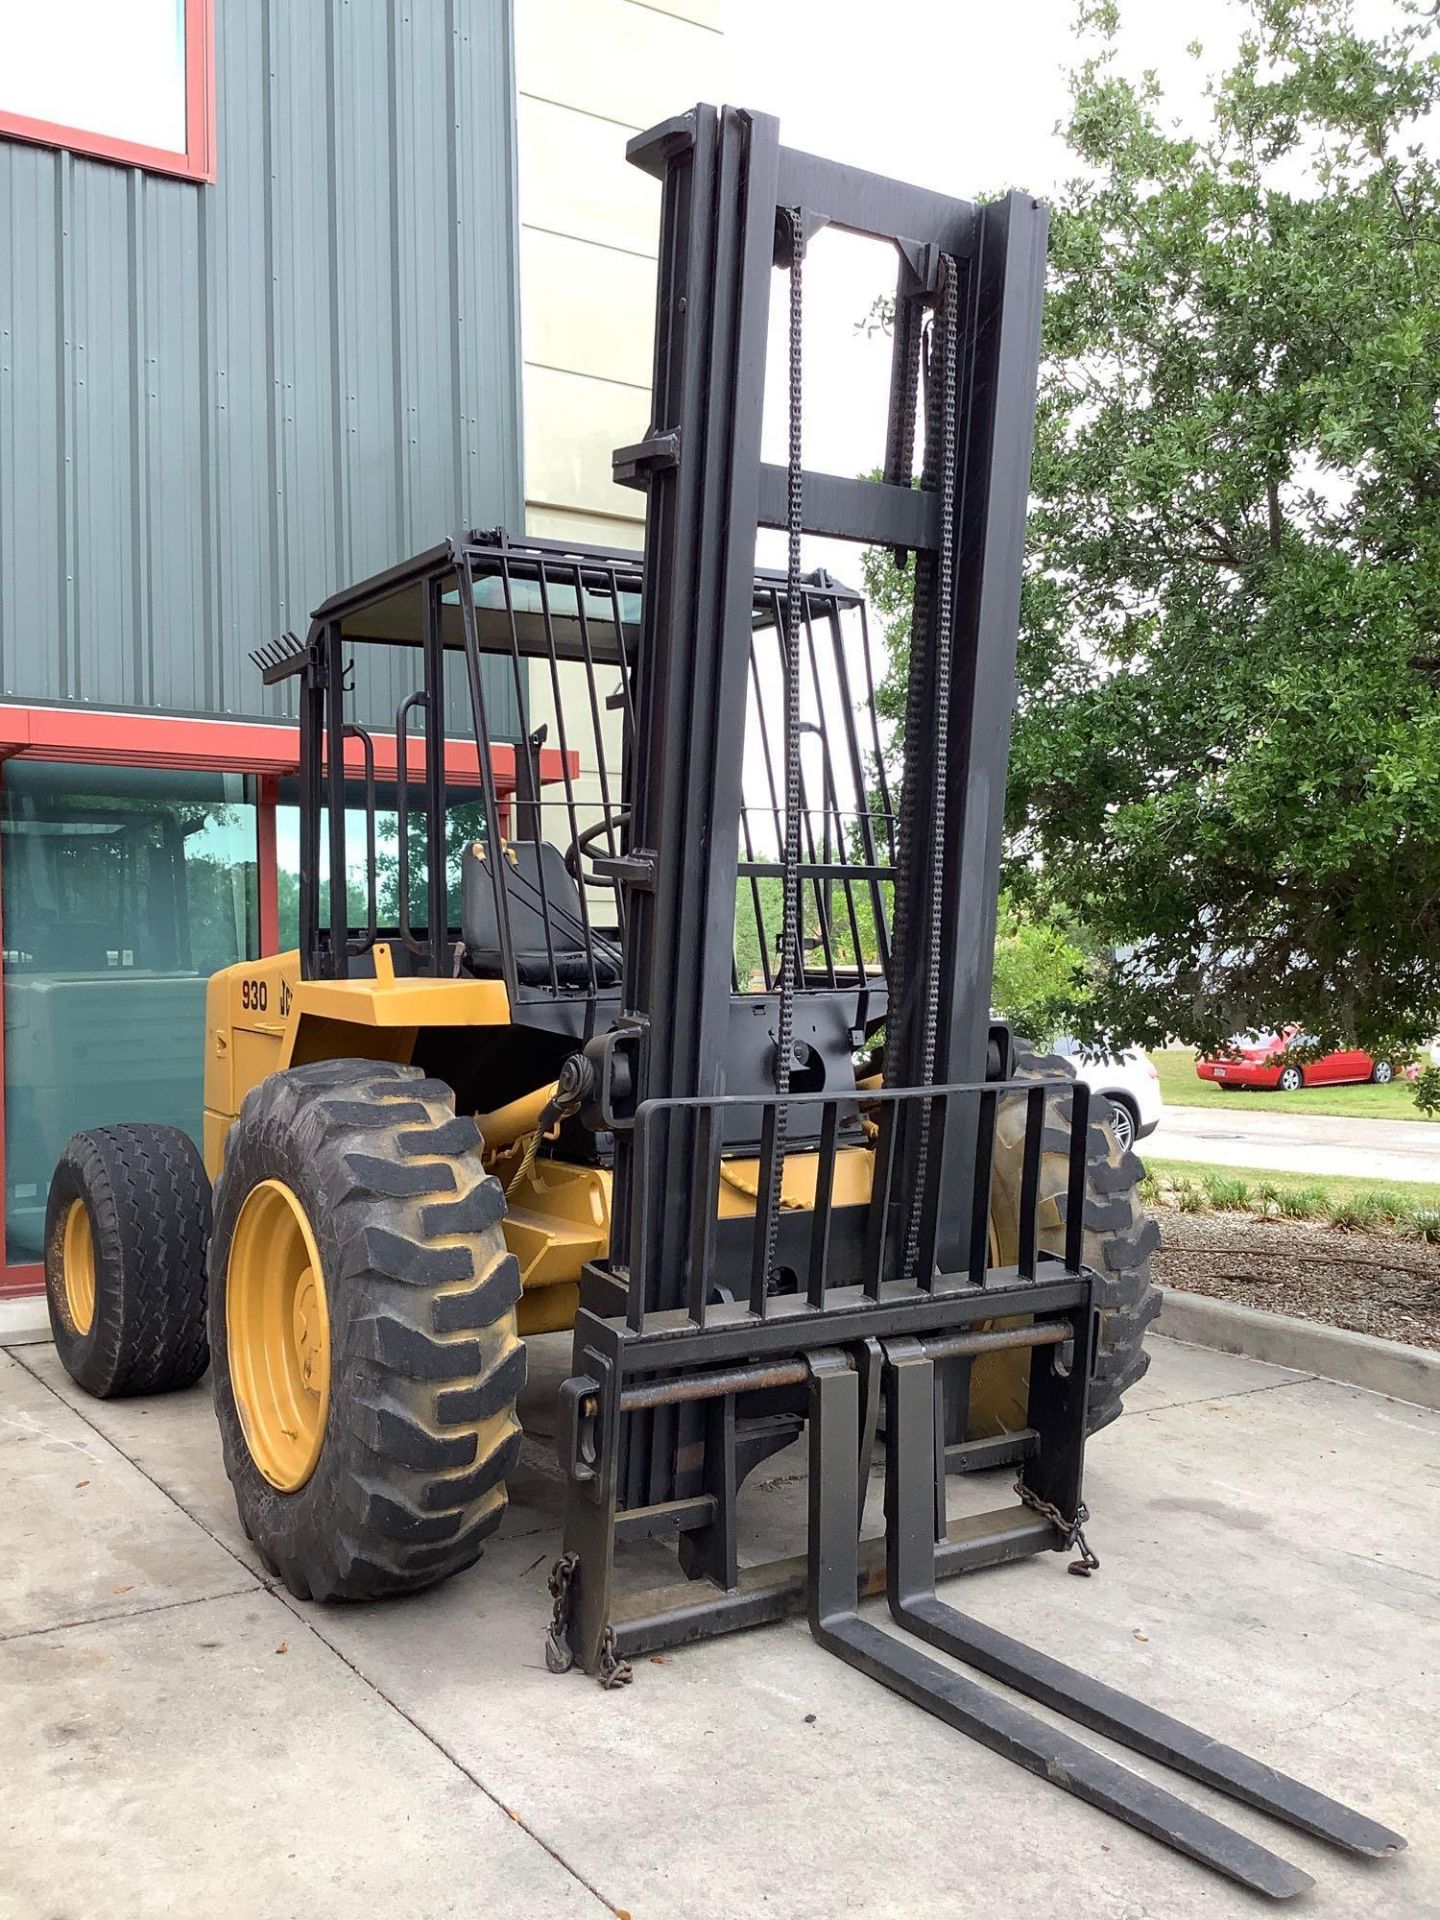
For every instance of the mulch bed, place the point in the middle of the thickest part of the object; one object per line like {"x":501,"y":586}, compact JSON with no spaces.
{"x":1373,"y":1282}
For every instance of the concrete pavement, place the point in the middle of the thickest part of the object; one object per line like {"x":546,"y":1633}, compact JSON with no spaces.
{"x":1290,"y":1142}
{"x":180,"y":1737}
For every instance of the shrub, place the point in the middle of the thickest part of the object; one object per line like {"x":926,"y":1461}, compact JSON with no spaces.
{"x":1388,"y":1209}
{"x":1355,"y":1215}
{"x":1187,"y":1197}
{"x":1300,"y":1203}
{"x":1267,"y":1198}
{"x":1227,"y":1192}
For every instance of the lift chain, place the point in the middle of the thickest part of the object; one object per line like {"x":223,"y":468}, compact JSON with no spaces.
{"x":1073,"y":1531}
{"x":790,"y":915}
{"x":946,"y":351}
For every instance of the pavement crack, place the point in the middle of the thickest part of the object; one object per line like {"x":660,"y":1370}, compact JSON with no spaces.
{"x":1239,"y":1393}
{"x":1390,"y":1566}
{"x":295,"y":1607}
{"x":124,"y":1613}
{"x":1321,"y":1713}
{"x":144,"y":1472}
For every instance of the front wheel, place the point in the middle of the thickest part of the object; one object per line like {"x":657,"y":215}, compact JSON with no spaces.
{"x":1291,"y":1079}
{"x":362,"y":1318}
{"x":1382,"y":1073}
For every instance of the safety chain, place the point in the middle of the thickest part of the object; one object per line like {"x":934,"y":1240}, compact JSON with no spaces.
{"x":611,"y":1671}
{"x":1072,"y":1530}
{"x":790,"y":913}
{"x":558,"y":1657}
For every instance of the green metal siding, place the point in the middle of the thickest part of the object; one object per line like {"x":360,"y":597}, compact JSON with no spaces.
{"x":219,"y":404}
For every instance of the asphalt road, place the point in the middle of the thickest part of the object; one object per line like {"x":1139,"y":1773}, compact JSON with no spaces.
{"x":1292,"y":1142}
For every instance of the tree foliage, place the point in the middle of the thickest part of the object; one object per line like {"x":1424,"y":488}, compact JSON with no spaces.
{"x":1226,"y":758}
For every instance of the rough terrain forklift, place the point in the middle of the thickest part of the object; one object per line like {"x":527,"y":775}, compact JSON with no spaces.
{"x":703,"y":1069}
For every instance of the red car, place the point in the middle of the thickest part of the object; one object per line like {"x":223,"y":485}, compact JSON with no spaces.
{"x":1258,"y":1065}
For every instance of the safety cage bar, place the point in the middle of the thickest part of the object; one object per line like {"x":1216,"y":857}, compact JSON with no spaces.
{"x":509,"y":615}
{"x":536,"y":629}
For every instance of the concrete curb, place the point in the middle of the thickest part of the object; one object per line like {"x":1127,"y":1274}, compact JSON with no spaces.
{"x":24,"y":1322}
{"x":1309,"y":1346}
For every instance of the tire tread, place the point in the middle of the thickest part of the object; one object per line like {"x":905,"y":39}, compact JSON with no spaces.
{"x":149,"y":1202}
{"x":426,"y":1362}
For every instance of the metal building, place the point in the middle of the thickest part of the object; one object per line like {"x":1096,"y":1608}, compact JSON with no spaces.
{"x":259,"y":335}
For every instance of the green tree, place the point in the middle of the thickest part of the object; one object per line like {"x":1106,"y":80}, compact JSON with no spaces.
{"x":1226,"y":758}
{"x":1042,"y":972}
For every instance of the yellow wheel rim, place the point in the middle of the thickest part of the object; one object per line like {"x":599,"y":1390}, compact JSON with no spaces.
{"x":77,"y":1257}
{"x":277,"y":1332}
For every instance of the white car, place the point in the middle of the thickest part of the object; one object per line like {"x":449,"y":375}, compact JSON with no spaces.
{"x":1128,"y":1081}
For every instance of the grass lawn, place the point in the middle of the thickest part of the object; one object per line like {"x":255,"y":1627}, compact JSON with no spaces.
{"x":1419,"y":1193}
{"x":1183,"y":1087}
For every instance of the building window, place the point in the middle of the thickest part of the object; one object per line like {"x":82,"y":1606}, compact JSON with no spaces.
{"x":124,"y":80}
{"x":124,"y":889}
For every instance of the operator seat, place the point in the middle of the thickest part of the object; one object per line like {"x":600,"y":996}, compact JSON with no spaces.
{"x":524,"y":866}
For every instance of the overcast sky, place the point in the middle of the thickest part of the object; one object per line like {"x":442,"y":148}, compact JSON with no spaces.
{"x":960,"y":95}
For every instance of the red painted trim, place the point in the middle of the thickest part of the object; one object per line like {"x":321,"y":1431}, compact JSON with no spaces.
{"x":15,"y":1282}
{"x":85,"y":735}
{"x":29,"y":1277}
{"x":267,"y":864}
{"x":5,"y":1286}
{"x":229,"y":746}
{"x":197,"y":162}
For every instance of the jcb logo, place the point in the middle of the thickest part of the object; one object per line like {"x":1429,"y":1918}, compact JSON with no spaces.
{"x":285,"y":998}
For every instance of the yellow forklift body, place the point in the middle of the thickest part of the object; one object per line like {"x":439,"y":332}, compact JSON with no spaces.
{"x":261,"y":1017}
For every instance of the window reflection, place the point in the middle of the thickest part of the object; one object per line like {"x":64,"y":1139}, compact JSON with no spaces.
{"x":124,"y":889}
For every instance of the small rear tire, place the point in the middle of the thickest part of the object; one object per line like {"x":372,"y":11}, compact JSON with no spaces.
{"x":127,"y":1225}
{"x":362,"y":1316}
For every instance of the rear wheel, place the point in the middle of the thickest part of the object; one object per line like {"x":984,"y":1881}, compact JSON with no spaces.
{"x":1291,"y":1079}
{"x":126,"y":1228}
{"x":362,"y":1316}
{"x":1382,"y":1073}
{"x":1119,"y":1240}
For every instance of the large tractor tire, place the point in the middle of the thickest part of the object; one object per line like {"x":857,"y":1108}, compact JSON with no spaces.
{"x":1119,"y":1239}
{"x":126,"y":1229}
{"x":362,"y":1320}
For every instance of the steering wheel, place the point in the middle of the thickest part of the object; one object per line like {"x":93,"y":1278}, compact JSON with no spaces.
{"x":583,"y":847}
